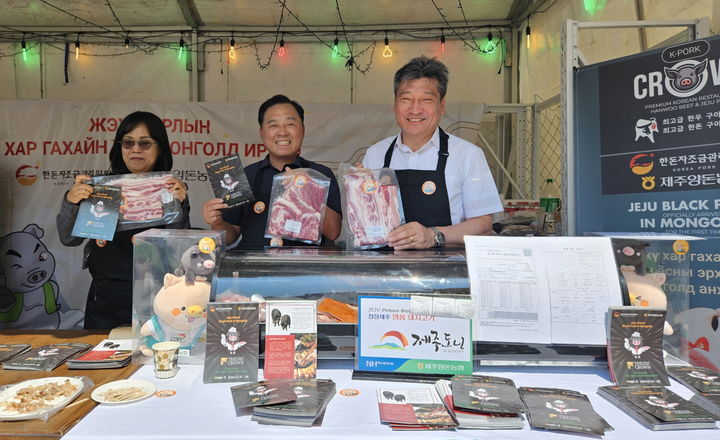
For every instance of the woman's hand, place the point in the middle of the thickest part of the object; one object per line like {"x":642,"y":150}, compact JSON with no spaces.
{"x":177,"y":188}
{"x":79,"y":191}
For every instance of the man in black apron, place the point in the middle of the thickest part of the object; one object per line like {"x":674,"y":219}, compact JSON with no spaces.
{"x":282,"y":130}
{"x":446,"y":186}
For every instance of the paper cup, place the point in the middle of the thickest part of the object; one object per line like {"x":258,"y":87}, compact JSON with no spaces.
{"x":165,"y":356}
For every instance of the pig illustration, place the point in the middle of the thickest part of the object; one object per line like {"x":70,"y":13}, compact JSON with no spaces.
{"x":29,"y":296}
{"x":687,"y":76}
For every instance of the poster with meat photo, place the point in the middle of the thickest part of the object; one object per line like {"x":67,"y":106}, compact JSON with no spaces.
{"x":229,"y":181}
{"x":297,"y":205}
{"x":372,"y":206}
{"x":146,"y":201}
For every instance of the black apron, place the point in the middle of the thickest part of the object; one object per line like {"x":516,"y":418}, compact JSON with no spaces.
{"x":424,"y":192}
{"x":255,"y":215}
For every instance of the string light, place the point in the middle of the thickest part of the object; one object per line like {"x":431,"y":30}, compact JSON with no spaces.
{"x":490,"y":46}
{"x":127,"y":42}
{"x":231,"y":52}
{"x":281,"y":50}
{"x":23,"y":45}
{"x":387,"y":53}
{"x":527,"y":36}
{"x":77,"y":47}
{"x":442,"y":41}
{"x":182,"y":47}
{"x":335,"y":52}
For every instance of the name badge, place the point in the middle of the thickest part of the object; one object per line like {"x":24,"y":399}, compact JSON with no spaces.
{"x":259,"y":207}
{"x":101,"y":243}
{"x":428,"y":187}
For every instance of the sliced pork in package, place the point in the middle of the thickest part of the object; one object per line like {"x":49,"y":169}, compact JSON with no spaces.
{"x":146,"y":199}
{"x":297,"y":205}
{"x":372,"y":206}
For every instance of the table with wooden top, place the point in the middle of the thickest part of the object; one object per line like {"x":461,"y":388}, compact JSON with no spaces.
{"x":59,"y":423}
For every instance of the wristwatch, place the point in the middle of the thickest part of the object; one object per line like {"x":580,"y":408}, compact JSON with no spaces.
{"x":439,"y":237}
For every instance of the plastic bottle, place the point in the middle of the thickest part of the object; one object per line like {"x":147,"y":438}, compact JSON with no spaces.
{"x":549,"y":207}
{"x":549,"y":196}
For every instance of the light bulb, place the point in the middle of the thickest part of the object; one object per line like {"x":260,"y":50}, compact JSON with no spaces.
{"x":527,"y":37}
{"x":182,"y":48}
{"x":442,"y":43}
{"x":127,"y":43}
{"x":231,"y":52}
{"x":77,"y":48}
{"x":335,"y":48}
{"x":282,"y":52}
{"x":387,"y":53}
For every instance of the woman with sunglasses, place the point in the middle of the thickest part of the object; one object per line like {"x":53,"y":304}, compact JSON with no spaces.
{"x":141,"y":145}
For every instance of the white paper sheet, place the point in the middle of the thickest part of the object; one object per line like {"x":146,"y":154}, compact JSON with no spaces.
{"x":542,"y":290}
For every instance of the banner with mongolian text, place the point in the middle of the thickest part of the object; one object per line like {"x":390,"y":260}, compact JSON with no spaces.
{"x":46,"y":143}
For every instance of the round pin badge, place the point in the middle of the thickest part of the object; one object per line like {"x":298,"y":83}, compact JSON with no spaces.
{"x":165,"y":393}
{"x":428,"y":187}
{"x":301,"y":180}
{"x":259,"y":207}
{"x":370,"y":186}
{"x":681,"y":247}
{"x":349,"y":392}
{"x":101,"y":243}
{"x":206,"y":245}
{"x":276,"y":242}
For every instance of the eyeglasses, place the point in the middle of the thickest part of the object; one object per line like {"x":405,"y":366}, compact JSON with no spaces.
{"x":145,"y":144}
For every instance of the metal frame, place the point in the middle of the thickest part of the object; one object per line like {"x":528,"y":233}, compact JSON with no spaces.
{"x":571,"y":59}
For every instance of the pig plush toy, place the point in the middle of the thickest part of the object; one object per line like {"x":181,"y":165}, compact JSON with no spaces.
{"x":646,"y":291}
{"x":180,"y":314}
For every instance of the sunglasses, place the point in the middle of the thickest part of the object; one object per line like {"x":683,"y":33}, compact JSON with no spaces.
{"x":145,"y":144}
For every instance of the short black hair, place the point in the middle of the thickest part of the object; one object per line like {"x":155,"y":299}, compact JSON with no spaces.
{"x":157,"y":131}
{"x":279,"y":99}
{"x":423,"y":67}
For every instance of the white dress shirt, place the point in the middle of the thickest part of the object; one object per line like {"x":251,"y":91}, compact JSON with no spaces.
{"x":470,"y":186}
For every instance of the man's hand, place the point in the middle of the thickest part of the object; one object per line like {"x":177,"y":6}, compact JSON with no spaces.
{"x":411,"y":236}
{"x":212,"y":212}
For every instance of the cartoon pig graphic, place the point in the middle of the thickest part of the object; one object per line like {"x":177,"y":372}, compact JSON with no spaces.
{"x":29,"y":296}
{"x":687,"y":76}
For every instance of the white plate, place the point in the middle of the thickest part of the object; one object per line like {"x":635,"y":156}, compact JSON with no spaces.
{"x":147,"y":387}
{"x":10,"y":394}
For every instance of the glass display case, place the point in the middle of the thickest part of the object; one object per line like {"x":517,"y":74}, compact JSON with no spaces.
{"x":335,"y":278}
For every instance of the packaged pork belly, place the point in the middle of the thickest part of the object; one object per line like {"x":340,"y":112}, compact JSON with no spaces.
{"x":297,"y":205}
{"x":146,"y":200}
{"x":372,"y":206}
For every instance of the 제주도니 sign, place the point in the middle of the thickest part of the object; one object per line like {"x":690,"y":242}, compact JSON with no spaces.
{"x":392,"y":339}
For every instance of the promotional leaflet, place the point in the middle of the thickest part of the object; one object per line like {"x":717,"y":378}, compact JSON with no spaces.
{"x":98,"y":214}
{"x":9,"y":351}
{"x":265,"y":392}
{"x":290,"y":340}
{"x":563,"y":410}
{"x":635,"y":353}
{"x":46,"y":357}
{"x":701,"y":379}
{"x":229,"y":181}
{"x":109,"y":353}
{"x":548,"y":290}
{"x":393,"y":339}
{"x":232,"y":347}
{"x":415,"y":408}
{"x":488,"y":394}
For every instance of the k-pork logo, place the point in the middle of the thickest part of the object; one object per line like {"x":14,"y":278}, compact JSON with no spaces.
{"x":686,"y":73}
{"x":26,"y":175}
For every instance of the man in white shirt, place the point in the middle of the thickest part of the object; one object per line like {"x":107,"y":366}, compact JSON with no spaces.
{"x":446,"y":185}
